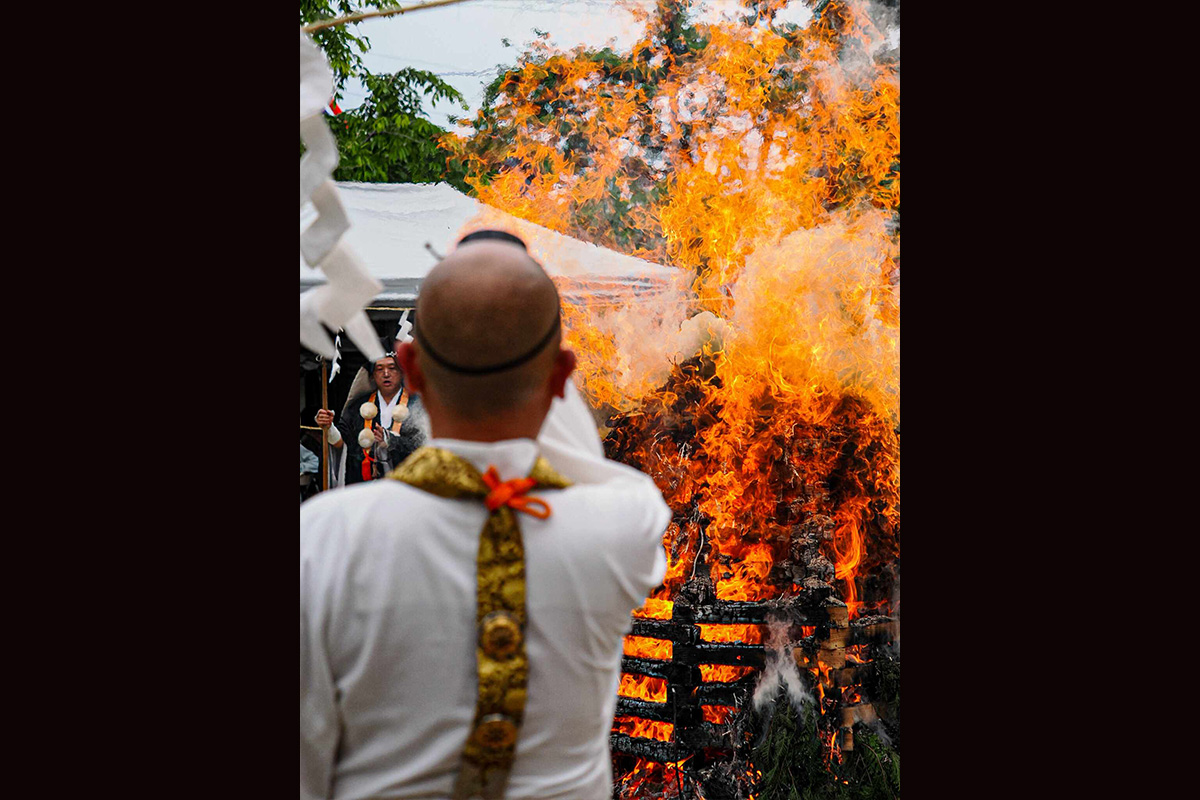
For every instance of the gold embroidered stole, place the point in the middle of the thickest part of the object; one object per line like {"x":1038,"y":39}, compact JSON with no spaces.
{"x":503,"y":667}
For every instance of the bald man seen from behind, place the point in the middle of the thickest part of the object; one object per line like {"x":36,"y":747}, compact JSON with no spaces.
{"x":461,"y":622}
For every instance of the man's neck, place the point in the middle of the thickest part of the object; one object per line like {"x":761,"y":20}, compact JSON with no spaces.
{"x":484,"y":433}
{"x":387,"y":398}
{"x":523,"y":424}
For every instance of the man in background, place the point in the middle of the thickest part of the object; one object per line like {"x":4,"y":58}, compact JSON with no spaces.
{"x":374,"y":442}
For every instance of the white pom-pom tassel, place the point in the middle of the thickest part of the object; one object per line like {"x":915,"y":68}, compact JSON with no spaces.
{"x":366,"y":438}
{"x":399,"y":414}
{"x":368,"y":410}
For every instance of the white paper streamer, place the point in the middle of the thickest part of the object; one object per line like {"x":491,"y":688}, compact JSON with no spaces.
{"x":403,"y":333}
{"x":337,"y":357}
{"x":312,"y":334}
{"x":362,"y":333}
{"x":331,"y":223}
{"x":350,"y":288}
{"x":339,"y":303}
{"x":316,"y":79}
{"x":320,"y":157}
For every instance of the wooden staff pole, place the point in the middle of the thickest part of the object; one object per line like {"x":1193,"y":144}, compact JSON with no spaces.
{"x":324,"y":431}
{"x":386,"y":12}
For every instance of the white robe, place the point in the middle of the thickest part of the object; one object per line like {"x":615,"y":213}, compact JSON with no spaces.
{"x":387,"y":621}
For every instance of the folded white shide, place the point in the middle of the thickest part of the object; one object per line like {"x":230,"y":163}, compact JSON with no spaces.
{"x":339,"y":302}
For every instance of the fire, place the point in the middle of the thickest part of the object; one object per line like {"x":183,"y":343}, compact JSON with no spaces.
{"x":717,"y":714}
{"x":645,"y":728}
{"x":654,"y":608}
{"x":766,"y":166}
{"x":652,"y":779}
{"x":750,"y":634}
{"x":710,"y":673}
{"x":643,"y":687}
{"x":761,"y":390}
{"x":646,"y":647}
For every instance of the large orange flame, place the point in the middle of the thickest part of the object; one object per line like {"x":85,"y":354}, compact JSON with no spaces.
{"x":761,"y":391}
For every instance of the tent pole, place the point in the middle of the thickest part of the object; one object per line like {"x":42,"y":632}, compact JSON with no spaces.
{"x":325,"y":431}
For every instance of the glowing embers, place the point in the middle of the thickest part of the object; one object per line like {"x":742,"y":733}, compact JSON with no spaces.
{"x":650,"y":779}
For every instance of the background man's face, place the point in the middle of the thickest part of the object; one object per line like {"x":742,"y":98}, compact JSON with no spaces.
{"x":387,"y":376}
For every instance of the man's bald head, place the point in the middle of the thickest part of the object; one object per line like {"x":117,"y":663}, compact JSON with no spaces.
{"x":488,"y":331}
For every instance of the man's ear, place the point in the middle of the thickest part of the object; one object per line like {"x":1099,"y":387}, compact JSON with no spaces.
{"x":564,"y":365}
{"x":406,"y":356}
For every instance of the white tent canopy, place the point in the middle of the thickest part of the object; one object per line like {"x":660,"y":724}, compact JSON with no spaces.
{"x":391,"y":225}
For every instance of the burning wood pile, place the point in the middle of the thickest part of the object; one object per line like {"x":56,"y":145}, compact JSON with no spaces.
{"x":695,"y":657}
{"x":762,"y":392}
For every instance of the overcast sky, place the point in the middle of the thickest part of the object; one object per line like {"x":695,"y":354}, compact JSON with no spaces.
{"x":464,"y":43}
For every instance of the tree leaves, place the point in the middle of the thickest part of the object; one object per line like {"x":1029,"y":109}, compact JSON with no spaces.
{"x":389,"y":137}
{"x":339,"y":42}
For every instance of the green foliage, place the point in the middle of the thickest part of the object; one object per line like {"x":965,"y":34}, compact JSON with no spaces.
{"x":340,"y":44}
{"x":389,"y":139}
{"x":671,"y":19}
{"x":796,"y":765}
{"x":882,"y":681}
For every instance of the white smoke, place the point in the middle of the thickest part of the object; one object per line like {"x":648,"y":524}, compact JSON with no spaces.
{"x":821,"y":303}
{"x":856,"y":67}
{"x":780,"y":671}
{"x":653,"y":331}
{"x":650,"y":346}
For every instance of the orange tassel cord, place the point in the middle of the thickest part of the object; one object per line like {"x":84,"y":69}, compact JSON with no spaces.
{"x":511,"y":494}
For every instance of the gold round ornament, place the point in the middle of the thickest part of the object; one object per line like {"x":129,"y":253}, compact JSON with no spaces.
{"x":499,"y":634}
{"x":495,"y":731}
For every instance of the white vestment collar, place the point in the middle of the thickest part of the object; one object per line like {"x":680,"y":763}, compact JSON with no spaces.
{"x":385,"y":409}
{"x":512,"y":458}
